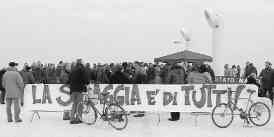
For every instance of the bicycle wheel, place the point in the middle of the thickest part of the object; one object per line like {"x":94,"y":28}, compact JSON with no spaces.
{"x":222,"y":115}
{"x":259,"y":114}
{"x":87,"y":113}
{"x":116,"y":116}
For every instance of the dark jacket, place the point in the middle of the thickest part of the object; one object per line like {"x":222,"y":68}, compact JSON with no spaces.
{"x":212,"y":74}
{"x":252,"y":80}
{"x":250,"y":69}
{"x":88,"y":73}
{"x":139,"y":78}
{"x":37,"y":73}
{"x":93,"y":75}
{"x":267,"y":78}
{"x":119,"y":78}
{"x":176,"y":75}
{"x":27,"y":76}
{"x":78,"y":79}
{"x":2,"y":72}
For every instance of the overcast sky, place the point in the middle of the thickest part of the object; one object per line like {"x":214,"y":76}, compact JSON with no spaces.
{"x":128,"y":30}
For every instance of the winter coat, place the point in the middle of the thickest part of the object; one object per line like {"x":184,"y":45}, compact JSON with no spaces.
{"x":212,"y":74}
{"x":93,"y":75}
{"x":27,"y":77}
{"x":250,"y":69}
{"x":89,"y":73}
{"x":119,"y":78}
{"x":2,"y":72}
{"x":139,"y":78}
{"x":252,"y":80}
{"x":78,"y":79}
{"x":176,"y":75}
{"x":37,"y":73}
{"x":13,"y":83}
{"x":267,"y":78}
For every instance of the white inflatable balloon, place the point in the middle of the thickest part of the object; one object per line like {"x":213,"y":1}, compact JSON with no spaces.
{"x":185,"y":34}
{"x":216,"y":24}
{"x":212,"y":19}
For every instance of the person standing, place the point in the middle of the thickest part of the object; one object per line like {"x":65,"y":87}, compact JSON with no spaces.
{"x":156,"y":78}
{"x":238,"y":71}
{"x":234,"y":71}
{"x":227,"y":71}
{"x":176,"y":75}
{"x":28,"y":78}
{"x":267,"y":78}
{"x":249,"y":69}
{"x":14,"y":85}
{"x":78,"y":80}
{"x":2,"y":89}
{"x":88,"y":71}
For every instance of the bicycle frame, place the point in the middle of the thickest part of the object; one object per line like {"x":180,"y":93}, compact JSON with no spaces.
{"x":97,"y":111}
{"x":89,"y":102}
{"x":235,"y":107}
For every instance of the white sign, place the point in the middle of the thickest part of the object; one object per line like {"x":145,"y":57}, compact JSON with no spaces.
{"x":144,"y":97}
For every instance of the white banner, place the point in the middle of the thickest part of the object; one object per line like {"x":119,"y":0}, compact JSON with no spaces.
{"x":144,"y":97}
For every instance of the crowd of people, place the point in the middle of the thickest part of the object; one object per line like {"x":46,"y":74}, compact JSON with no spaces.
{"x":122,"y":73}
{"x":126,"y":72}
{"x":234,"y":71}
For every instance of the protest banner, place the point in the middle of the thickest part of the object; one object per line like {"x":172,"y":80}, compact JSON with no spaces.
{"x":142,"y":97}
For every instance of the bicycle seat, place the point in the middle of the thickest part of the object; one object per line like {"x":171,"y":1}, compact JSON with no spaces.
{"x":251,"y":91}
{"x":105,"y":93}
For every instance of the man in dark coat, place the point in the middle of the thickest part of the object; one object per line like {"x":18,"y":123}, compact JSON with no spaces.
{"x":267,"y":80}
{"x":2,"y":89}
{"x":78,"y":80}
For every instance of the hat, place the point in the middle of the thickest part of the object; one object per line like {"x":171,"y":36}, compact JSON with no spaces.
{"x":13,"y":64}
{"x":268,"y":62}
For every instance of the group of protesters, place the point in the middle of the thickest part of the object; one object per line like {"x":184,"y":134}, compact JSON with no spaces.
{"x":126,"y":72}
{"x":122,"y":73}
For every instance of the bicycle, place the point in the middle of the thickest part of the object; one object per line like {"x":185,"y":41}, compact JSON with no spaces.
{"x":258,"y":113}
{"x":112,"y":112}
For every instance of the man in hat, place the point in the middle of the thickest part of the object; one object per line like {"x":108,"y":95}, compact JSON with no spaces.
{"x":267,"y":79}
{"x":14,"y":85}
